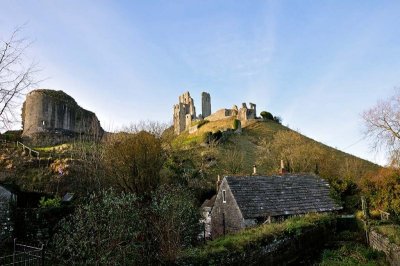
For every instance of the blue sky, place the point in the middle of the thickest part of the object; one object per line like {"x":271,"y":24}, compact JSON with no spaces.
{"x":317,"y":64}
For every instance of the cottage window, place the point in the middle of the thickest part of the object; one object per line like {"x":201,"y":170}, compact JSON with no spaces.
{"x":223,"y":196}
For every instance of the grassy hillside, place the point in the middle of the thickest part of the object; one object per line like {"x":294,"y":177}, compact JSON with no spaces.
{"x":254,"y":135}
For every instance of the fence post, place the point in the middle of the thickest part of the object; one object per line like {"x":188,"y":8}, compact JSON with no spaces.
{"x":15,"y":240}
{"x":43,"y":255}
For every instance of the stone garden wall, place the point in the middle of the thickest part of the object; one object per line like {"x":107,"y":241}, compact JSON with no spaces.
{"x":382,"y":243}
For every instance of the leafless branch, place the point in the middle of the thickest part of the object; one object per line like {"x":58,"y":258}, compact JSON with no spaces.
{"x":382,"y":124}
{"x":17,"y":76}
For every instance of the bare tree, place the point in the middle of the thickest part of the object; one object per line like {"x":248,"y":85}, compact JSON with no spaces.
{"x":154,"y":127}
{"x":16,"y":75}
{"x":382,"y":125}
{"x":299,"y":153}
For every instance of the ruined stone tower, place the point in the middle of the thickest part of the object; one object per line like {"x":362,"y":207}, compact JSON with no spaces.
{"x":184,"y":113}
{"x":246,"y":113}
{"x":50,"y":116}
{"x":205,"y":104}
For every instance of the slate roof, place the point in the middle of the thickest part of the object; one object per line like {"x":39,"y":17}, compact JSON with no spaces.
{"x":5,"y":194}
{"x":262,"y":196}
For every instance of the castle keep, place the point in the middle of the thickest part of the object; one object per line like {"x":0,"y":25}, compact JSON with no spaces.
{"x":55,"y":114}
{"x":205,"y":104}
{"x":185,"y":112}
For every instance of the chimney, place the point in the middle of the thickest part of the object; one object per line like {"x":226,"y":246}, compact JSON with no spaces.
{"x":254,"y":169}
{"x":282,"y":170}
{"x":316,"y":169}
{"x":218,"y":183}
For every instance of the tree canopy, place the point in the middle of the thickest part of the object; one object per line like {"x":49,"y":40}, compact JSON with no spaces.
{"x":134,"y":160}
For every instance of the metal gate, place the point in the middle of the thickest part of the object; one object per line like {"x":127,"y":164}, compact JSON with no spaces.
{"x":24,"y":255}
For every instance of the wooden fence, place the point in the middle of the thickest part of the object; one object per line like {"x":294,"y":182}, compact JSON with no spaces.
{"x":29,"y":149}
{"x":24,"y":255}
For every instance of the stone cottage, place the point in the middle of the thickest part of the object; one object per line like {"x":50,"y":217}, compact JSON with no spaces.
{"x":249,"y":200}
{"x":7,"y":199}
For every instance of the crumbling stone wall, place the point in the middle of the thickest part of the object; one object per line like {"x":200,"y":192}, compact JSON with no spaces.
{"x":382,"y":243}
{"x":246,"y":113}
{"x":55,"y":113}
{"x":221,"y":114}
{"x":243,"y":114}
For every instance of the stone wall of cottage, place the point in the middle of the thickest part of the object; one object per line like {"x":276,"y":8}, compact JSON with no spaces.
{"x":382,"y":243}
{"x":228,"y":211}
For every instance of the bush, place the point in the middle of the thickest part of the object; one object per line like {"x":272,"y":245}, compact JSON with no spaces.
{"x":173,"y":223}
{"x":360,"y":215}
{"x":210,"y":137}
{"x":201,"y":123}
{"x":278,"y":119}
{"x":267,"y":115}
{"x":375,"y":214}
{"x":134,"y":161}
{"x":127,"y":230}
{"x":216,"y":136}
{"x":206,"y":137}
{"x":236,"y":124}
{"x":11,"y":135}
{"x":105,"y":229}
{"x":353,"y":254}
{"x":48,"y":203}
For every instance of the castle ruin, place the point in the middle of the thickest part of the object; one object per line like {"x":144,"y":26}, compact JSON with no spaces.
{"x":50,"y":116}
{"x":205,"y":104}
{"x":185,"y":112}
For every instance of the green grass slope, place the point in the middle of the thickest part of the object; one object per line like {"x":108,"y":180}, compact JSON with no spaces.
{"x":223,"y":159}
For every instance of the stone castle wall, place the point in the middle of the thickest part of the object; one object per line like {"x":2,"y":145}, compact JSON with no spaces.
{"x":246,"y":113}
{"x":47,"y":112}
{"x":221,"y":114}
